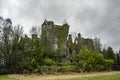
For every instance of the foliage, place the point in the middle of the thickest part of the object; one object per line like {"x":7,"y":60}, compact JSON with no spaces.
{"x":49,"y":62}
{"x":91,"y":61}
{"x":55,"y":69}
{"x":110,"y":53}
{"x":58,"y":31}
{"x":11,"y":47}
{"x":118,"y":59}
{"x":34,"y":54}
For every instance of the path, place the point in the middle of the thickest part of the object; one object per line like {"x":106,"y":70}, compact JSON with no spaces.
{"x":59,"y":77}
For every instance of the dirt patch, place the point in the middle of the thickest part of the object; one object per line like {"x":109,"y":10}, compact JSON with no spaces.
{"x":60,"y":76}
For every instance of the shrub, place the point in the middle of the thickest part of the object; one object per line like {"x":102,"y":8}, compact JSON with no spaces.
{"x":92,"y":61}
{"x":49,"y":62}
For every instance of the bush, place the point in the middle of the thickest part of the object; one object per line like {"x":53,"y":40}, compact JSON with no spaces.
{"x":54,"y":69}
{"x":64,"y":69}
{"x":108,"y":64}
{"x":49,"y":62}
{"x":92,"y":61}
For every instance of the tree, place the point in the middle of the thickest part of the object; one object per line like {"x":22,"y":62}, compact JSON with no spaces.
{"x":118,"y":58}
{"x":110,"y":53}
{"x":17,"y":49}
{"x":11,"y":46}
{"x":34,"y":53}
{"x":104,"y":52}
{"x":6,"y":38}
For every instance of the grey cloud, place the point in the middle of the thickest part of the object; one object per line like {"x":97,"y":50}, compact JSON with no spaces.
{"x":110,"y":24}
{"x":97,"y":18}
{"x":103,"y":23}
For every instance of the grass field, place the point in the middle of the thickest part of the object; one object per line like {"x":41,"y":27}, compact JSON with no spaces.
{"x":3,"y":77}
{"x":106,"y":77}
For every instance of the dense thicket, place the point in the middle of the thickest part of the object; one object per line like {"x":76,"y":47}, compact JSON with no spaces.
{"x":23,"y":54}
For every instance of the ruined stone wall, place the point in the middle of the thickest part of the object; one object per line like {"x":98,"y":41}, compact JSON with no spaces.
{"x":76,"y":46}
{"x":56,"y":35}
{"x":88,"y":43}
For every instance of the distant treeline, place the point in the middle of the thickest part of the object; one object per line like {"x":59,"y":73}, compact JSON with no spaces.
{"x":20,"y":53}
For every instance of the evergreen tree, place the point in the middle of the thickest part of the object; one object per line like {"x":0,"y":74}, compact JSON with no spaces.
{"x":118,"y":58}
{"x":111,"y":54}
{"x":104,"y":52}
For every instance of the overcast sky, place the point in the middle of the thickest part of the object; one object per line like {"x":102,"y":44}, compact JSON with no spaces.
{"x":92,"y":18}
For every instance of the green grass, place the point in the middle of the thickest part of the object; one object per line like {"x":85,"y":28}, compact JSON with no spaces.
{"x":107,"y":77}
{"x":3,"y":77}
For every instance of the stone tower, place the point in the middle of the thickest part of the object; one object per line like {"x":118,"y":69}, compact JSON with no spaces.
{"x":55,"y":35}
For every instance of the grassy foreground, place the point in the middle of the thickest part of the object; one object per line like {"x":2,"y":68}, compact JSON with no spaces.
{"x":106,"y":77}
{"x":84,"y":76}
{"x":3,"y":77}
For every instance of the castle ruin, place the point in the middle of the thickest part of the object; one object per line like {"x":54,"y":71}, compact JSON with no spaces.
{"x":61,"y":41}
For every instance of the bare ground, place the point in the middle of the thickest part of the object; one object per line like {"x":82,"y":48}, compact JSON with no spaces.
{"x":60,"y":76}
